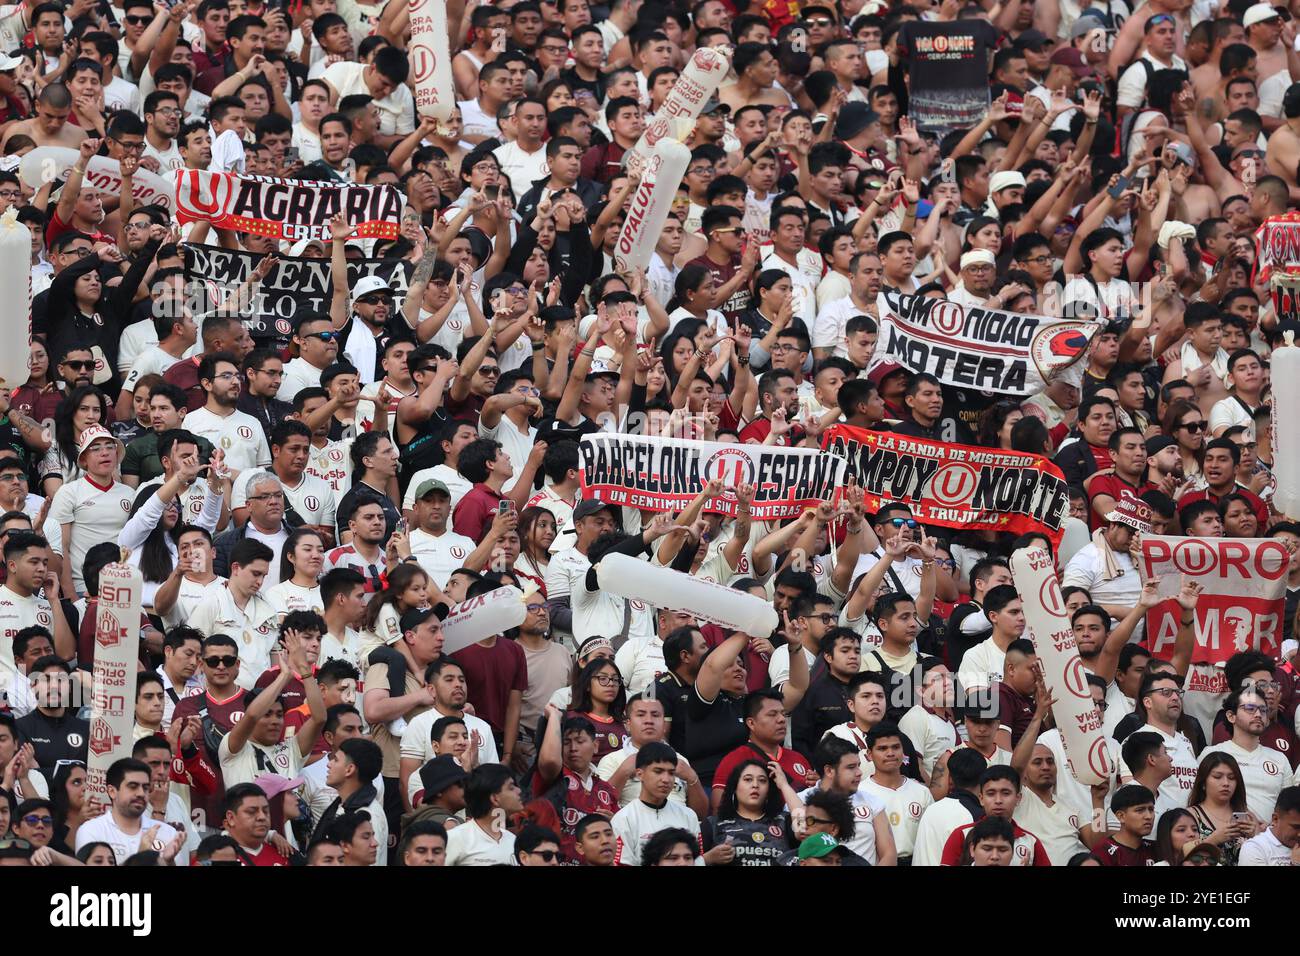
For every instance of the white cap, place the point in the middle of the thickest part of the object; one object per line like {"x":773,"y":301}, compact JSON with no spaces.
{"x":10,"y":63}
{"x":1005,"y":180}
{"x":1258,"y":13}
{"x":976,"y":256}
{"x":369,"y":285}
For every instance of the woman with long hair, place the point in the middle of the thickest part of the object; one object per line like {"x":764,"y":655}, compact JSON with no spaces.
{"x":152,"y":532}
{"x":1185,"y":424}
{"x":593,"y":648}
{"x":68,"y":794}
{"x":82,"y":407}
{"x":537,"y":531}
{"x":677,"y":348}
{"x":301,"y":561}
{"x":600,"y":696}
{"x":1218,"y":803}
{"x":39,"y":397}
{"x":691,"y":295}
{"x":1176,"y":833}
{"x":996,"y":423}
{"x":97,"y":854}
{"x":751,"y":804}
{"x":1239,"y":519}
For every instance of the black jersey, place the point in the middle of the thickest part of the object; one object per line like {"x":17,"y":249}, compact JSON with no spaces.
{"x":757,"y":842}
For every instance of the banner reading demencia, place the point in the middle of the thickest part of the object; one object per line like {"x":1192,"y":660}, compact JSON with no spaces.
{"x":984,"y":349}
{"x":665,"y":474}
{"x":955,"y":486}
{"x":285,"y":208}
{"x":117,"y":649}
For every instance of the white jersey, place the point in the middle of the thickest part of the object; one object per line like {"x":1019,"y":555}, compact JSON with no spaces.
{"x":1177,"y":786}
{"x":16,"y":613}
{"x":284,"y":759}
{"x":440,"y":555}
{"x":348,"y":648}
{"x":287,"y":597}
{"x":931,"y":735}
{"x":104,"y":829}
{"x":640,"y":661}
{"x":152,"y":361}
{"x":937,"y":823}
{"x":95,"y":514}
{"x":866,"y":807}
{"x":238,"y":434}
{"x":632,"y":786}
{"x":312,"y":499}
{"x":255,"y":628}
{"x":456,"y":483}
{"x":1264,"y":771}
{"x":298,"y":374}
{"x":905,"y":807}
{"x":418,"y":745}
{"x":469,"y":845}
{"x":561,"y":509}
{"x":638,"y":822}
{"x":332,"y":465}
{"x":191,"y":595}
{"x":982,"y":666}
{"x":1057,"y":826}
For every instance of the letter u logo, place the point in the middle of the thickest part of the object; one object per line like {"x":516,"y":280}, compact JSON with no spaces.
{"x":196,"y":201}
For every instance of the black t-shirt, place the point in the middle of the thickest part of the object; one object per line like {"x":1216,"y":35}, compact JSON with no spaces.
{"x":55,"y":738}
{"x":576,"y":83}
{"x":757,"y":842}
{"x":360,"y":494}
{"x":713,"y":730}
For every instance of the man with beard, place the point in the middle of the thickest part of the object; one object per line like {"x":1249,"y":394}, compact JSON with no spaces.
{"x":830,"y":330}
{"x":129,"y":782}
{"x":162,"y":116}
{"x":447,"y":680}
{"x":1161,"y":698}
{"x":239,"y":435}
{"x":195,"y":144}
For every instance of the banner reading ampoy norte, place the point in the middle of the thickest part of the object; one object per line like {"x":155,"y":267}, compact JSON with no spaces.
{"x":285,"y":208}
{"x":955,"y":486}
{"x":293,"y":286}
{"x":665,"y":474}
{"x":1241,"y":606}
{"x":117,"y":649}
{"x":971,"y":347}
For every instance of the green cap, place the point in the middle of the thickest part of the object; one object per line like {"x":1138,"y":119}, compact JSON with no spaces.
{"x":818,"y":845}
{"x":428,"y":486}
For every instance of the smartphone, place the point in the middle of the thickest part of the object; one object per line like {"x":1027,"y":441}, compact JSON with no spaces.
{"x":401,"y":526}
{"x":504,"y":506}
{"x":291,"y":156}
{"x":1241,"y":817}
{"x":492,"y":191}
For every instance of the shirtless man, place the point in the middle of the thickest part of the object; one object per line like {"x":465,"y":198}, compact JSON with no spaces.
{"x":1283,"y":156}
{"x":756,"y":70}
{"x":49,"y":127}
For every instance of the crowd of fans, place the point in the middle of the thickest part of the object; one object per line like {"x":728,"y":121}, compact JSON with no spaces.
{"x":306,"y":500}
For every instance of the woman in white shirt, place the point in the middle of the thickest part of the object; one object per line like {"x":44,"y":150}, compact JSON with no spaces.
{"x":301,"y":560}
{"x":537,"y":531}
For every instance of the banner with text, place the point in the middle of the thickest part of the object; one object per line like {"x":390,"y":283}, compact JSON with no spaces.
{"x":117,"y":653}
{"x":665,"y":474}
{"x":948,"y":72}
{"x":1244,"y":598}
{"x":288,"y":209}
{"x":293,"y":286}
{"x":972,"y":347}
{"x":955,"y":486}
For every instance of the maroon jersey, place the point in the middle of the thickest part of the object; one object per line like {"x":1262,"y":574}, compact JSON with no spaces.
{"x":740,"y":299}
{"x":1106,"y":483}
{"x":491,"y":673}
{"x":1015,"y":711}
{"x":797,"y":767}
{"x":572,"y":801}
{"x":86,"y":632}
{"x":611,"y":735}
{"x":1111,"y":853}
{"x":224,"y":713}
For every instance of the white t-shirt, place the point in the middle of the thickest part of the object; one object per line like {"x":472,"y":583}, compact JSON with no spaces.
{"x":104,"y":829}
{"x":1264,"y":771}
{"x":640,"y":661}
{"x":16,"y":613}
{"x":227,"y":153}
{"x":982,"y":666}
{"x":152,"y":361}
{"x":417,"y":745}
{"x":937,"y":823}
{"x":298,"y":374}
{"x":523,"y":168}
{"x":1133,"y":82}
{"x":169,"y":161}
{"x":637,"y":822}
{"x":516,"y":444}
{"x":1228,"y":412}
{"x":96,"y":514}
{"x":306,"y":142}
{"x":1057,"y":826}
{"x":456,"y":483}
{"x":905,"y":807}
{"x":1086,"y":568}
{"x":866,"y":807}
{"x":632,"y":786}
{"x":470,"y":845}
{"x":476,"y":122}
{"x":238,"y":434}
{"x":804,"y":277}
{"x":827,"y":330}
{"x":284,"y":759}
{"x":287,"y":596}
{"x":1262,"y":850}
{"x":396,"y":110}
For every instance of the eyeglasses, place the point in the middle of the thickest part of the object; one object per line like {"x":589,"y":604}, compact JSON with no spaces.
{"x":485,"y":167}
{"x":229,"y":660}
{"x":535,"y":608}
{"x":555,"y":50}
{"x":270,"y":372}
{"x":780,"y":347}
{"x":904,"y":523}
{"x":427,"y":368}
{"x":132,"y":147}
{"x":1168,"y":691}
{"x":323,"y":336}
{"x":13,"y":476}
{"x":1037,"y":260}
{"x":825,"y":617}
{"x":269,"y":496}
{"x":1254,"y":708}
{"x":547,"y":855}
{"x":1193,"y":427}
{"x":138,"y":225}
{"x":1250,"y":154}
{"x":225,"y":375}
{"x":10,"y":194}
{"x":167,"y":111}
{"x":516,"y":289}
{"x":77,"y":364}
{"x":605,"y":680}
{"x":1267,"y":686}
{"x":14,"y":844}
{"x":1102,"y":704}
{"x":38,"y":820}
{"x":948,"y":563}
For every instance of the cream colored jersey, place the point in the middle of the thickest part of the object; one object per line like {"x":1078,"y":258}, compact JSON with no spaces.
{"x":312,"y":499}
{"x":931,"y":735}
{"x":191,"y":595}
{"x":238,"y":434}
{"x":1177,"y":786}
{"x":93,"y":513}
{"x":253,"y":760}
{"x":255,"y":628}
{"x":1264,"y":771}
{"x":1057,"y":826}
{"x":287,"y":597}
{"x":440,"y":555}
{"x":332,"y":465}
{"x":16,"y":613}
{"x":904,"y":807}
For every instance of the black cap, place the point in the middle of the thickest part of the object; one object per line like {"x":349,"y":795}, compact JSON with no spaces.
{"x":439,"y":774}
{"x":588,"y":507}
{"x":418,"y":615}
{"x":853,"y":119}
{"x":1291,"y":101}
{"x":1032,"y":40}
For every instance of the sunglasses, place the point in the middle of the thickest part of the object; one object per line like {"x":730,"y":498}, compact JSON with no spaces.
{"x":38,"y":820}
{"x":78,"y":364}
{"x":1160,"y":18}
{"x":323,"y":336}
{"x":1194,"y":427}
{"x":904,"y":523}
{"x":375,"y":299}
{"x":547,"y":855}
{"x":137,"y":21}
{"x":68,"y":763}
{"x":229,"y":660}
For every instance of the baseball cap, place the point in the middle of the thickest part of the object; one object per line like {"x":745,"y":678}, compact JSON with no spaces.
{"x":370,"y":285}
{"x":853,"y":119}
{"x":588,"y":507}
{"x":1132,"y":512}
{"x":1158,"y":443}
{"x":818,"y":845}
{"x":93,"y":434}
{"x":10,"y":62}
{"x":1258,"y":13}
{"x":273,"y":784}
{"x":883,"y":371}
{"x":418,"y":615}
{"x":714,"y":105}
{"x":1031,"y":40}
{"x":440,"y":773}
{"x":1085,"y":25}
{"x":1073,"y":58}
{"x":428,"y":487}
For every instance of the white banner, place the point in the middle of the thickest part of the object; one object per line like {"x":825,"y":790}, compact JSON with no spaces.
{"x":983,"y":349}
{"x":1077,"y":717}
{"x":650,"y":205}
{"x":634,"y":579}
{"x":1285,"y":379}
{"x":480,"y":617}
{"x":16,"y":303}
{"x":117,"y":649}
{"x":699,"y":80}
{"x":430,"y":56}
{"x":48,"y":163}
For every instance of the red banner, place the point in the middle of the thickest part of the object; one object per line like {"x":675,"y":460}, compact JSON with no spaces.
{"x":285,"y":208}
{"x":1241,"y":606}
{"x":954,"y":486}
